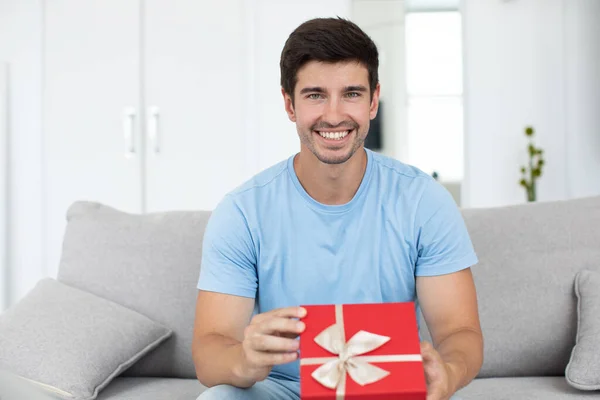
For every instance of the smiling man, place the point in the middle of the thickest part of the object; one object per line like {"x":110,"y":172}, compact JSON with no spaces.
{"x":335,"y":223}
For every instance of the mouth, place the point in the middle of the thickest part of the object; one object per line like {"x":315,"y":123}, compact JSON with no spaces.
{"x":334,"y":137}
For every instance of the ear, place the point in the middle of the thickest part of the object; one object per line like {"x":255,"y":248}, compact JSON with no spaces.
{"x":375,"y":102}
{"x":289,"y":106}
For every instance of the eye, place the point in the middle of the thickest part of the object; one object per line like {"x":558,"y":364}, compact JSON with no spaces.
{"x":314,"y":96}
{"x":353,"y":94}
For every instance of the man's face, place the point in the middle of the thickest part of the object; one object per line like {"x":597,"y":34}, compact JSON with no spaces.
{"x":332,"y":109}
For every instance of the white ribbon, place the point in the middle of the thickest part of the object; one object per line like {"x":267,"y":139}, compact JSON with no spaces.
{"x":332,"y":372}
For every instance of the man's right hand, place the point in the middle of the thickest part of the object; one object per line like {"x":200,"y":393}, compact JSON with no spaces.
{"x":269,"y":340}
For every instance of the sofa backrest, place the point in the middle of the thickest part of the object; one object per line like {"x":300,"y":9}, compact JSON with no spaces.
{"x":529,"y":255}
{"x":148,"y":263}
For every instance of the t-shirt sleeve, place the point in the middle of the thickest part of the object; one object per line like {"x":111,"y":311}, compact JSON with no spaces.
{"x":443,"y":242}
{"x":228,"y":257}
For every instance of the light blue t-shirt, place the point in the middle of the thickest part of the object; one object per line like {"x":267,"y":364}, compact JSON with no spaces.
{"x":270,"y":240}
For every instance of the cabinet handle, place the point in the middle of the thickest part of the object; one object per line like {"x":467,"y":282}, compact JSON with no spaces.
{"x":153,"y":129}
{"x":129,"y":131}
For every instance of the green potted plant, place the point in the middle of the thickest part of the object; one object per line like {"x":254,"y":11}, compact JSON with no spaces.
{"x":533,"y":171}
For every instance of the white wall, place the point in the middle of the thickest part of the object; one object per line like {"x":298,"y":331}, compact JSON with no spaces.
{"x":4,"y":271}
{"x":383,"y":21}
{"x":583,"y":97}
{"x":530,"y":62}
{"x":527,"y":62}
{"x":20,"y":46}
{"x":21,"y":27}
{"x":277,"y":134}
{"x":431,"y":5}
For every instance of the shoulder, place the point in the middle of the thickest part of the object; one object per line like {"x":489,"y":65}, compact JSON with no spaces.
{"x":413,"y":188}
{"x":394,"y":167}
{"x":243,"y":201}
{"x":405,"y":180}
{"x":267,"y":180}
{"x":234,"y":209}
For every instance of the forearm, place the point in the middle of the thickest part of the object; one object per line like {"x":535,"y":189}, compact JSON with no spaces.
{"x":462,"y":351}
{"x":218,"y":360}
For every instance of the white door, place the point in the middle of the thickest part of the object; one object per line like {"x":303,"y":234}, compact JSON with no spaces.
{"x":91,"y":109}
{"x":195,"y":79}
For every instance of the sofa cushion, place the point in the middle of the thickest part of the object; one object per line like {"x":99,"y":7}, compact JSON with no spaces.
{"x":534,"y":388}
{"x":529,"y":255}
{"x":583,"y":371}
{"x":149,"y":263}
{"x":152,"y":389}
{"x":72,"y":343}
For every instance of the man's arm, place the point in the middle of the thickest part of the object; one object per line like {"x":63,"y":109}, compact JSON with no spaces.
{"x":230,"y":348}
{"x":218,"y":335}
{"x":449,"y":306}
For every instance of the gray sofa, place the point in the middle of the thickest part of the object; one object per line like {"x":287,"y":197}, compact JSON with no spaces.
{"x":529,"y":255}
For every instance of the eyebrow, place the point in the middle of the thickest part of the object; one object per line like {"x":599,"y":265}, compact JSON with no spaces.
{"x":318,"y":89}
{"x":358,"y":88}
{"x":314,"y":89}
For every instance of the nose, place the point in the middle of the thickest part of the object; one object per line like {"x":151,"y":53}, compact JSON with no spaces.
{"x":333,"y":113}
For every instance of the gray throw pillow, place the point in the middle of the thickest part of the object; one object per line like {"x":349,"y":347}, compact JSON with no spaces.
{"x":148,"y":263}
{"x":583,"y":370}
{"x":72,"y":343}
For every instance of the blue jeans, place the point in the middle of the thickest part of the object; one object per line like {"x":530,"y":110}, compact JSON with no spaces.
{"x":269,"y":389}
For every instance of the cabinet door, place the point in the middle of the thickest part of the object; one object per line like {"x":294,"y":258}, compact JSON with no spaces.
{"x":91,"y":109}
{"x":195,"y":102}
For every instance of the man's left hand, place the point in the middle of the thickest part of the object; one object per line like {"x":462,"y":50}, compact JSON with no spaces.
{"x":438,"y":374}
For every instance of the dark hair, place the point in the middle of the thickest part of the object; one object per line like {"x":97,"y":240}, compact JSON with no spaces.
{"x":327,"y":40}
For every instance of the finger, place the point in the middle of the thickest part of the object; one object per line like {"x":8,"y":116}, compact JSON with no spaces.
{"x":289,"y":312}
{"x":432,"y":374}
{"x":434,"y":391}
{"x":428,"y":352}
{"x":277,"y":325}
{"x":426,"y":347}
{"x":287,"y":335}
{"x":286,"y":312}
{"x":427,"y":356}
{"x":269,"y":343}
{"x":265,"y":359}
{"x":434,"y":395}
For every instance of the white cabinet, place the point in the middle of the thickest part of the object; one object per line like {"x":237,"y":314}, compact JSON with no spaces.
{"x":194,"y":62}
{"x":144,"y":106}
{"x":92,"y":111}
{"x":153,"y":105}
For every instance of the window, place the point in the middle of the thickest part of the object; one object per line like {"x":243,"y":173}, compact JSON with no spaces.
{"x":435,"y":93}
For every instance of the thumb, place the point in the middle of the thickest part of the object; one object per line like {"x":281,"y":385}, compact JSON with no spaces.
{"x":434,"y":394}
{"x":426,"y":350}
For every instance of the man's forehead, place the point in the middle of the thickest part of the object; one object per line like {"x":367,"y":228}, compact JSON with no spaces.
{"x":333,"y":75}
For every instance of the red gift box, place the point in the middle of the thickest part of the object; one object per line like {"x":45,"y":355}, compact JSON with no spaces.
{"x":361,"y":351}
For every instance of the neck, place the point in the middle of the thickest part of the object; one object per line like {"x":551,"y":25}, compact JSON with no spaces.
{"x":328,"y":183}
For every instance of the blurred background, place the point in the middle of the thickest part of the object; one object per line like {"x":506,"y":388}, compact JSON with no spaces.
{"x":153,"y":105}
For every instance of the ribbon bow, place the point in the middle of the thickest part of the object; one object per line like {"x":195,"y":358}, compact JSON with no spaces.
{"x":331,"y":373}
{"x":349,"y":360}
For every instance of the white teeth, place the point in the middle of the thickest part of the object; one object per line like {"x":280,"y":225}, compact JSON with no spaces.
{"x":334,"y":135}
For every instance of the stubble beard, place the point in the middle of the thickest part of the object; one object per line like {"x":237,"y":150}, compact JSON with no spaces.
{"x":308,"y":140}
